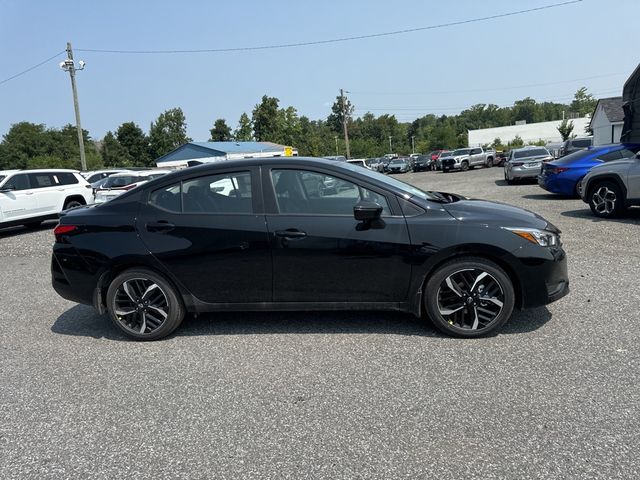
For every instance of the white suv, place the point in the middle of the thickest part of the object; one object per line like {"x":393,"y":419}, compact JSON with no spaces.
{"x":27,"y":197}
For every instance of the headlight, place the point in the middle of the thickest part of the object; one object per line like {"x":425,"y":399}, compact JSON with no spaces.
{"x":543,"y":238}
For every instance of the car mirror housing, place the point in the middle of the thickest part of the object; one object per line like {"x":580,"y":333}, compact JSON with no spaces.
{"x":367,"y":211}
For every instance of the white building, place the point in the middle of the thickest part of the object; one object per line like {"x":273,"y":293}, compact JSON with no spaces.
{"x":607,"y":121}
{"x":529,"y":132}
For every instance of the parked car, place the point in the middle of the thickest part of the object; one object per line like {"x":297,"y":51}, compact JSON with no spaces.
{"x":96,"y":175}
{"x":481,"y":157}
{"x":375,"y":164}
{"x":525,"y":163}
{"x":564,"y":175}
{"x":119,"y":183}
{"x":399,"y":165}
{"x":574,"y":144}
{"x":501,"y":157}
{"x":612,"y":187}
{"x":360,"y":162}
{"x":177,"y":245}
{"x":422,"y":163}
{"x":458,"y":160}
{"x":442,"y":154}
{"x":28,"y":197}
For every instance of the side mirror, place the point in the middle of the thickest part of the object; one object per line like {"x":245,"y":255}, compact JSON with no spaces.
{"x":367,"y":211}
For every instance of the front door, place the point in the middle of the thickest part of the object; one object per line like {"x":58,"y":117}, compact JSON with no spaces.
{"x":19,"y":202}
{"x":208,"y":234}
{"x":321,"y":253}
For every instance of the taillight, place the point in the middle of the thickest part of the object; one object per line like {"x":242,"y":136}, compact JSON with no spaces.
{"x":129,"y":187}
{"x":62,"y":230}
{"x":558,"y":169}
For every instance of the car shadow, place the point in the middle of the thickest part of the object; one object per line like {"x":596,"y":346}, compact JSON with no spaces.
{"x":84,"y":321}
{"x":21,"y":230}
{"x":548,"y":196}
{"x":526,"y":181}
{"x":630,"y":216}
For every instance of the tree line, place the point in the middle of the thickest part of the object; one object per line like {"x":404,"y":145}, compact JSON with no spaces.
{"x":32,"y":145}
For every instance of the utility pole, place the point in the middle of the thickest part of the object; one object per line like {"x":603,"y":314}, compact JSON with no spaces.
{"x":413,"y":145}
{"x":390,"y":147}
{"x":69,"y":66}
{"x":336,"y":139}
{"x":344,"y":123}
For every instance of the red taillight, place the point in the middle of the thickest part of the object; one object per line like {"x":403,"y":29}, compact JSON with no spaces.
{"x":62,"y":230}
{"x":558,"y":169}
{"x":129,"y":187}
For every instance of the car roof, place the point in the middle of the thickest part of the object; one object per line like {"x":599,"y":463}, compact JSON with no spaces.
{"x":39,"y":170}
{"x":8,"y":172}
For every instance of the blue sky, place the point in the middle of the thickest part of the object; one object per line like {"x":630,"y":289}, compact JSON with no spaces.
{"x":437,"y":71}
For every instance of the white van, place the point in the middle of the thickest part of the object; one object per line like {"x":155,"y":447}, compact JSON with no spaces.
{"x":27,"y":197}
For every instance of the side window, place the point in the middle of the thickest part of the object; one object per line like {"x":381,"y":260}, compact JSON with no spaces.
{"x":475,"y":151}
{"x":608,"y":157}
{"x":629,"y":153}
{"x":65,"y":178}
{"x":222,"y":193}
{"x":167,"y":198}
{"x":42,"y":180}
{"x":18,"y":182}
{"x":299,"y":191}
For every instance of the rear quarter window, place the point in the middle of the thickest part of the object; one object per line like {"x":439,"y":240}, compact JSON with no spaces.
{"x":65,"y":178}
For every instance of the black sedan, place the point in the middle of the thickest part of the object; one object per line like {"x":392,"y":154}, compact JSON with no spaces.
{"x":267,"y":234}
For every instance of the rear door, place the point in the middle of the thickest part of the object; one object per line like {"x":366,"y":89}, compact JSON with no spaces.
{"x":320,"y":252}
{"x":210,"y":233}
{"x":20,"y":202}
{"x":48,"y":191}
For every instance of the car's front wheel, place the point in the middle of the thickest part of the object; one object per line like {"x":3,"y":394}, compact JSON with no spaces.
{"x":144,"y":305}
{"x":469,"y":297}
{"x":464,"y":166}
{"x":606,"y":199}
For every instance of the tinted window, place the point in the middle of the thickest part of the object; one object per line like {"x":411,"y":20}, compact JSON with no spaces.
{"x":608,"y":157}
{"x":572,"y":157}
{"x":299,"y":191}
{"x":65,"y":178}
{"x":96,"y":176}
{"x":462,"y":151}
{"x":2,"y":177}
{"x":475,"y":151}
{"x":42,"y":180}
{"x":532,"y":152}
{"x":223,"y":193}
{"x":120,"y":181}
{"x":629,"y":152}
{"x":581,"y":143}
{"x":18,"y":182}
{"x":167,"y":198}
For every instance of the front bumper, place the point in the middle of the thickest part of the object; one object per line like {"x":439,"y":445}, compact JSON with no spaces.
{"x":543,"y":278}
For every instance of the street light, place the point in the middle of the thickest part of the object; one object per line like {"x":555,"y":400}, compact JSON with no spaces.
{"x":69,"y":66}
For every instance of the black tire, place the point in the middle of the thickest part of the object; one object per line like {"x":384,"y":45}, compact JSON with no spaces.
{"x":606,"y":199}
{"x":464,"y":166}
{"x":132,"y":323}
{"x":576,"y":192}
{"x":489,"y":163}
{"x":499,"y":297}
{"x":445,"y":170}
{"x":72,"y":203}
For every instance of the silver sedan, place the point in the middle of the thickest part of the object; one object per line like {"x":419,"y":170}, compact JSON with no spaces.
{"x":525,"y":163}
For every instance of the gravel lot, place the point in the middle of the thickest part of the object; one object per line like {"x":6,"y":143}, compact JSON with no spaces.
{"x":332,"y":395}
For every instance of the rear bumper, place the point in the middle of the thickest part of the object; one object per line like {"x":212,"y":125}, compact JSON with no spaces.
{"x":525,"y":172}
{"x":561,"y":186}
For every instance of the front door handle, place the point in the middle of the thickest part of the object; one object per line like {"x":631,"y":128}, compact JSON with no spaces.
{"x":290,"y":233}
{"x":161,"y":226}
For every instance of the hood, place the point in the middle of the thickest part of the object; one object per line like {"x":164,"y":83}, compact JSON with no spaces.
{"x":483,"y":212}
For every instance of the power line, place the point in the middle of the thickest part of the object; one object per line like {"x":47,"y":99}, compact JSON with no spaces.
{"x":335,"y":40}
{"x":33,"y":67}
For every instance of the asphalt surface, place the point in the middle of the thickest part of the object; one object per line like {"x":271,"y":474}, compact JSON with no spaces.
{"x":332,"y":395}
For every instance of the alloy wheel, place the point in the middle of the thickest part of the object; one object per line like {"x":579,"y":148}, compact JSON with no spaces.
{"x":604,"y":200}
{"x":140,"y":305}
{"x":470,"y":299}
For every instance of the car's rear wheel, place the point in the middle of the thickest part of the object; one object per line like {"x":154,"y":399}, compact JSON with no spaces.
{"x":606,"y":199}
{"x":72,"y":204}
{"x":469,"y":297}
{"x":578,"y":190}
{"x":144,"y":305}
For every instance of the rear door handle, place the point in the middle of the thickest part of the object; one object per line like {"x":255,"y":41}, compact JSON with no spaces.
{"x":290,"y":233}
{"x":161,"y":226}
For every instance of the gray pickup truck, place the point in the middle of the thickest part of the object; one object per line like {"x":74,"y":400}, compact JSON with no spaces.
{"x":466,"y":158}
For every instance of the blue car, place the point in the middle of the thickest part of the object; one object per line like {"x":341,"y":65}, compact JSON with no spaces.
{"x":564,"y":175}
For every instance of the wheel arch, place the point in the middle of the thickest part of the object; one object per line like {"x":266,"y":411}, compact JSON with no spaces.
{"x":496,"y":255}
{"x":76,"y":197}
{"x":611,"y":177}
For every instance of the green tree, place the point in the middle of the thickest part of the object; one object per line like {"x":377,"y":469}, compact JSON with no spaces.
{"x":565,"y":129}
{"x":24,"y":140}
{"x":583,"y":103}
{"x":339,"y":112}
{"x":220,"y":131}
{"x":167,"y":133}
{"x":517,"y":142}
{"x":266,"y":121}
{"x":244,"y":131}
{"x":135,"y":142}
{"x":113,"y":153}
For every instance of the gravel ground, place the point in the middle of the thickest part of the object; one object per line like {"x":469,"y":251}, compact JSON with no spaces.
{"x":332,"y":395}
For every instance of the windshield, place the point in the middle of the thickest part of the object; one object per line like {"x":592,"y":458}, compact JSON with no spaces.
{"x":461,"y":151}
{"x":117,"y":181}
{"x":392,"y":182}
{"x":397,"y":161}
{"x":532,"y":152}
{"x":575,"y":156}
